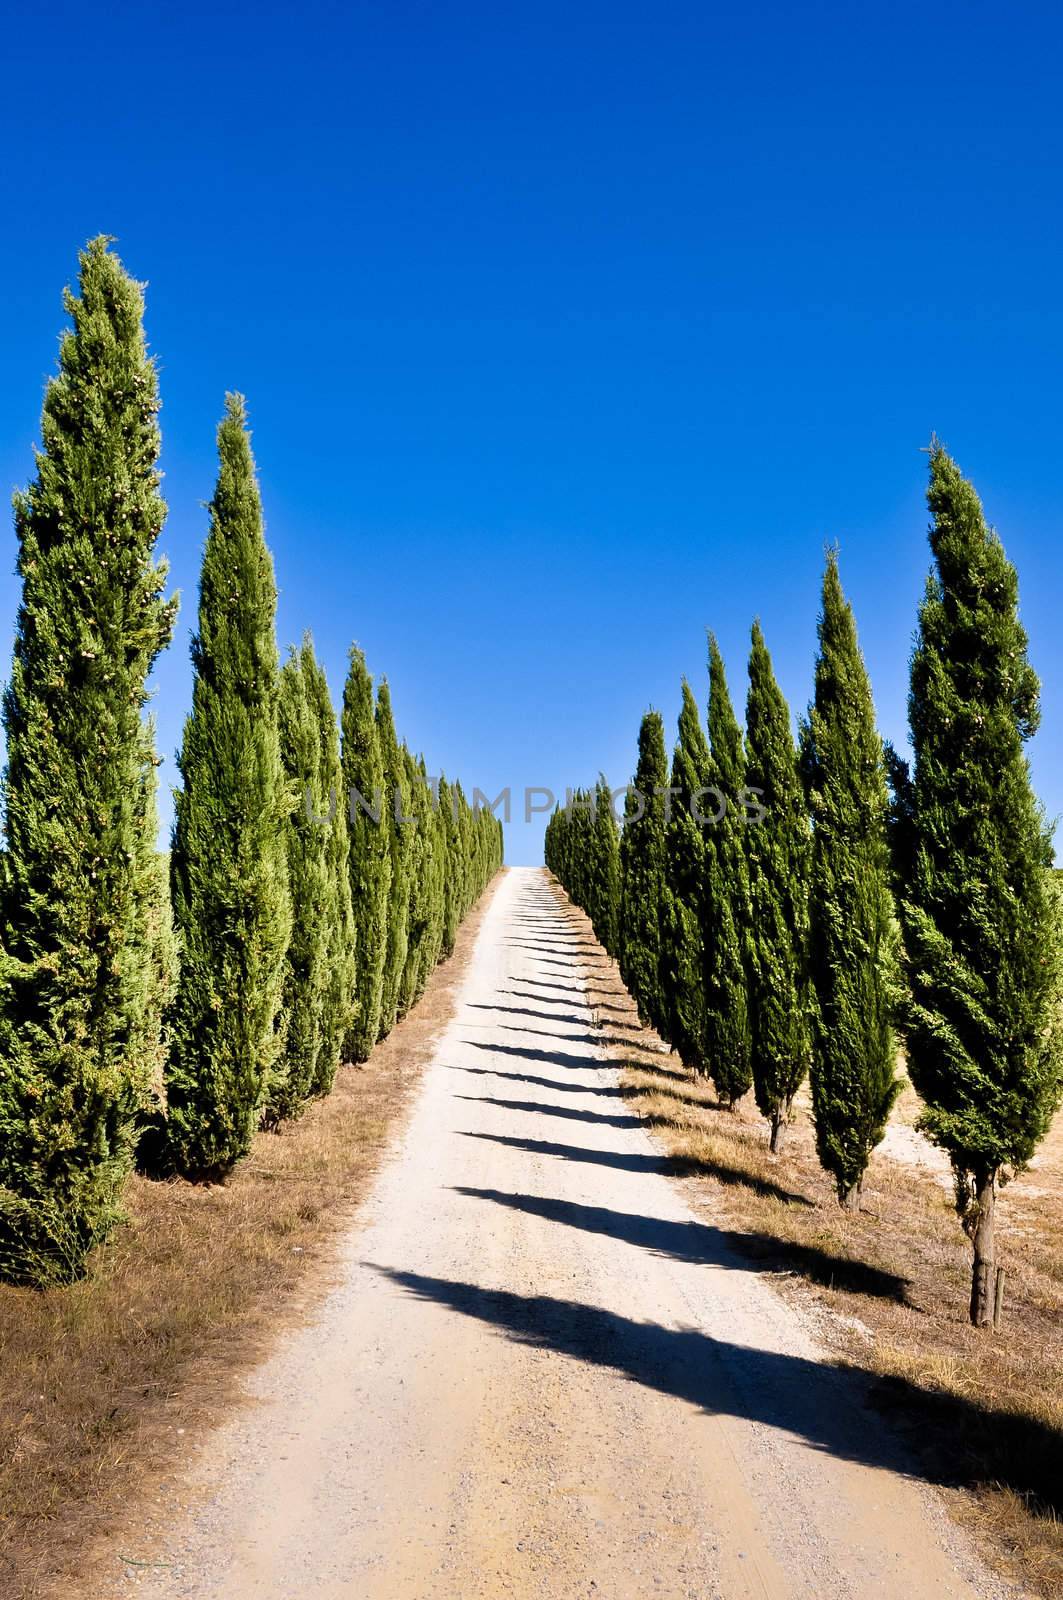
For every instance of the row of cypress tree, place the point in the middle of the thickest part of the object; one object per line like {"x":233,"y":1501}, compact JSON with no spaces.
{"x":316,"y":875}
{"x":785,"y":908}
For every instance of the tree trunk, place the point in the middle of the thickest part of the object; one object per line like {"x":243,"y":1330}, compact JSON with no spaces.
{"x":983,"y":1276}
{"x":849,"y":1199}
{"x":778,"y":1130}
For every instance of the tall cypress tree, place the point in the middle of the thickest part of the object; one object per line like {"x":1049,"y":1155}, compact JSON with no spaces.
{"x":432,"y":870}
{"x":726,"y":901}
{"x":306,"y":974}
{"x":980,"y":918}
{"x":369,"y":859}
{"x":83,"y":917}
{"x":642,"y":876}
{"x":579,"y":824}
{"x":448,"y":834}
{"x":605,"y":911}
{"x":418,"y":847}
{"x":852,"y":930}
{"x":228,"y":865}
{"x":402,"y":846}
{"x":337,"y":911}
{"x":778,"y":850}
{"x":439,"y":846}
{"x":682,"y":917}
{"x":463,"y":843}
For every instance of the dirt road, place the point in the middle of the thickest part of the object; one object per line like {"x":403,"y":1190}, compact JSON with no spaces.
{"x":539,"y":1375}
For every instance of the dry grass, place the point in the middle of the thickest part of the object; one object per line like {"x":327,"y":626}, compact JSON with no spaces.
{"x":888,"y":1288}
{"x":104,"y":1382}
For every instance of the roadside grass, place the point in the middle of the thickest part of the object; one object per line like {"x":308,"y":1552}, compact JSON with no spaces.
{"x":888,"y":1286}
{"x":105,"y":1384}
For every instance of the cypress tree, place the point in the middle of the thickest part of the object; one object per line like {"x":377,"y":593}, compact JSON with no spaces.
{"x":852,"y":930}
{"x":463,"y":862}
{"x":369,"y":859}
{"x":605,"y":913}
{"x":778,"y":849}
{"x":725,"y":923}
{"x":401,"y":845}
{"x":448,"y":834}
{"x":337,"y":911}
{"x":228,"y":865}
{"x":642,"y":876}
{"x":980,"y":917}
{"x":84,"y":926}
{"x":579,"y":825}
{"x":552,"y":844}
{"x":433,"y":868}
{"x":682,"y":917}
{"x":306,"y":973}
{"x":558,"y":846}
{"x":418,"y":844}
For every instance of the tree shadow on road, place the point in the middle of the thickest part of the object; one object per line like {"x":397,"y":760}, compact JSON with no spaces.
{"x":545,"y":1033}
{"x":949,"y":1440}
{"x":554,"y":948}
{"x":549,"y":962}
{"x":552,"y":1058}
{"x":542,"y":1109}
{"x":637,"y":1161}
{"x":706,"y":1245}
{"x":618,"y":1019}
{"x":553,"y":1084}
{"x":526,"y":1011}
{"x":535,"y":983}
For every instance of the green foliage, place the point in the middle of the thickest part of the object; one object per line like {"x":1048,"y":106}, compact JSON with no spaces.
{"x":642,"y":865}
{"x":228,"y":866}
{"x":304,"y":965}
{"x":683,"y":908}
{"x":604,"y":908}
{"x":778,"y":852}
{"x":369,"y":859}
{"x":337,"y":911}
{"x":402,"y":844}
{"x":319,"y":967}
{"x":571,"y":833}
{"x":434,"y":873}
{"x":452,"y":882}
{"x":425,"y":897}
{"x":256,"y":894}
{"x":979,"y":913}
{"x":87,"y":963}
{"x":726,"y":909}
{"x":852,"y":931}
{"x":461,"y":864}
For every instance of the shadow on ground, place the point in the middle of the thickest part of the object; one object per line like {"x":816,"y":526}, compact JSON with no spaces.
{"x":612,"y":1089}
{"x":542,"y":1108}
{"x":826,"y":1405}
{"x":708,"y":1246}
{"x":637,"y":1161}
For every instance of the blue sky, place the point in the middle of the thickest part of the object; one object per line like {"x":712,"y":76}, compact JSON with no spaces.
{"x":567,"y":332}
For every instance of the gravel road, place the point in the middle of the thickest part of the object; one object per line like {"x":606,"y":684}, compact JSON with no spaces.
{"x":538,"y":1375}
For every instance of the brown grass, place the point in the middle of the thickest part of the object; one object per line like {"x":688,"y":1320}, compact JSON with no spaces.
{"x":888,"y":1287}
{"x":104,"y":1383}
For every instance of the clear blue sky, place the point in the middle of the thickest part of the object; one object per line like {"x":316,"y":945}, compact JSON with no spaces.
{"x":567,"y":331}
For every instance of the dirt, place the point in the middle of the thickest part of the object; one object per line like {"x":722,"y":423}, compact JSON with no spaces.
{"x":538,"y":1374}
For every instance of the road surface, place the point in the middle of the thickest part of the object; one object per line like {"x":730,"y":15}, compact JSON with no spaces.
{"x":539,"y":1375}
